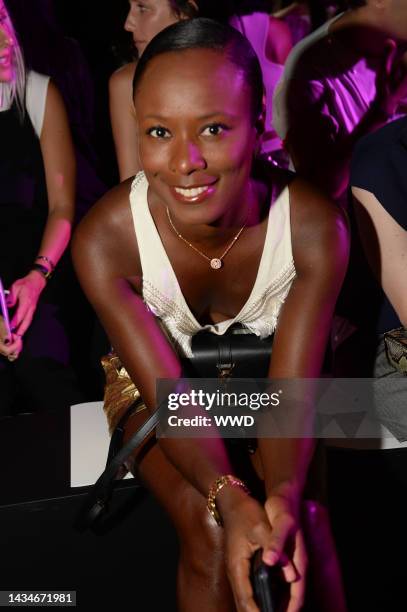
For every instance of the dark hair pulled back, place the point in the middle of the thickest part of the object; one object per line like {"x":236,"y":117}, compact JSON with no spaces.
{"x":202,"y":33}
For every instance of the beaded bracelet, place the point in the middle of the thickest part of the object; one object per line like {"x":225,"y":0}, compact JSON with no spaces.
{"x":42,"y":270}
{"x":48,"y":260}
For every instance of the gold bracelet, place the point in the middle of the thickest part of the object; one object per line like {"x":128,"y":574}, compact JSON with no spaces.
{"x":42,"y":270}
{"x":214,"y":490}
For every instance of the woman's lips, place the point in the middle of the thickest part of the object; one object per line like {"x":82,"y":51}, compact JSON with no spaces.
{"x":193,"y":194}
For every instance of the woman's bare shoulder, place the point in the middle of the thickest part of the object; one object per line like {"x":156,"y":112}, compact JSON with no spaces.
{"x":309,"y":207}
{"x":110,"y":212}
{"x":122,"y":78}
{"x":319,"y":227}
{"x":107,"y":232}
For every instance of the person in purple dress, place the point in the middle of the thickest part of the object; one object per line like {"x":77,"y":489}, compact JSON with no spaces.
{"x":345,"y":80}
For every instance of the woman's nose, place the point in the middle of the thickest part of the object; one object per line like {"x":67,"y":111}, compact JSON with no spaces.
{"x":129,"y":24}
{"x":187,"y":157}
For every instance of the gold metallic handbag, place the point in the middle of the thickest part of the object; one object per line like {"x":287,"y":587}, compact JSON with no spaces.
{"x":396,"y":348}
{"x":120,"y":391}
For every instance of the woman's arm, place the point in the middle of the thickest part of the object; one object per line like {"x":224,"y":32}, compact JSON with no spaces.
{"x":320,"y":148}
{"x":107,"y":262}
{"x":279,"y":41}
{"x":320,"y":249}
{"x":60,"y":173}
{"x":385,"y":245}
{"x":123,"y":121}
{"x":320,"y":244}
{"x":59,"y":163}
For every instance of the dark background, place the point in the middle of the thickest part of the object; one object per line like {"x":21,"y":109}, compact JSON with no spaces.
{"x":98,"y":27}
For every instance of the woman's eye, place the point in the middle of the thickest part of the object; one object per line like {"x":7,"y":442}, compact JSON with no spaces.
{"x":214,"y":130}
{"x":158,"y":132}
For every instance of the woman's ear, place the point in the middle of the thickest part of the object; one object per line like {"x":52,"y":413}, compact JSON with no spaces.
{"x":194,"y":5}
{"x":194,"y":9}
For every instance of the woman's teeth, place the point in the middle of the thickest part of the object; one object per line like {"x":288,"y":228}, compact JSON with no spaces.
{"x":191,"y":193}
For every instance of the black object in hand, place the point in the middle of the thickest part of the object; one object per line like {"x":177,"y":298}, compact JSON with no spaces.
{"x":271,"y":591}
{"x":5,"y":331}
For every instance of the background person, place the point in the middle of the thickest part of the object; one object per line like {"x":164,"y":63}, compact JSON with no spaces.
{"x":344,"y":80}
{"x":47,"y":51}
{"x":379,"y":188}
{"x":37,"y":205}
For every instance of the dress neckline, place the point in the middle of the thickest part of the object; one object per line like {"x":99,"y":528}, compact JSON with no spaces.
{"x":221,"y":326}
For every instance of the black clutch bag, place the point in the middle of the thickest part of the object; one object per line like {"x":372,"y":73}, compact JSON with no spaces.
{"x":235,"y":354}
{"x":271,"y":591}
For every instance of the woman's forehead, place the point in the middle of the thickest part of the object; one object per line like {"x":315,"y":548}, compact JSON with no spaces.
{"x":157,"y":4}
{"x":189,"y":69}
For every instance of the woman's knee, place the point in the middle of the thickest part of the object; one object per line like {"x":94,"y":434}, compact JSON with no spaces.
{"x":201,"y":539}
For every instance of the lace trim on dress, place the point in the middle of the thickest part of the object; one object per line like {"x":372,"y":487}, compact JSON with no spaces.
{"x":137,"y":180}
{"x":259,"y":317}
{"x":177,"y":321}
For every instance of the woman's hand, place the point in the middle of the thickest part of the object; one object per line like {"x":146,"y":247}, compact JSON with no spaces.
{"x":288,"y":547}
{"x":250,"y":526}
{"x":24,"y":295}
{"x":11,"y":348}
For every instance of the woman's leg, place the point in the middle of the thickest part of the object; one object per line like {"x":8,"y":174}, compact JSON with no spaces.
{"x":202,"y":581}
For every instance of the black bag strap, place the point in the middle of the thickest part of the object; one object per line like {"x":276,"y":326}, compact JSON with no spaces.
{"x":100,"y":494}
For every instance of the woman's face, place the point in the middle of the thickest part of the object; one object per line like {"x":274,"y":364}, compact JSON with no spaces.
{"x":196,"y":134}
{"x":6,"y":46}
{"x":146,"y":18}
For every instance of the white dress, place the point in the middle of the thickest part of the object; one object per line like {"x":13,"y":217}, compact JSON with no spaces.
{"x":162,"y":293}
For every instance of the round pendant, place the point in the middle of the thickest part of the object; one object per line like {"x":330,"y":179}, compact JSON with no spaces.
{"x":216,"y":263}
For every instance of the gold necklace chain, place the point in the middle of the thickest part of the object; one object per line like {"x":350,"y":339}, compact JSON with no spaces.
{"x":214,"y":262}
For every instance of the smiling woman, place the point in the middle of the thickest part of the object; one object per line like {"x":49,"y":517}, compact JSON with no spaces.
{"x":146,"y":18}
{"x":144,"y":257}
{"x":201,"y":137}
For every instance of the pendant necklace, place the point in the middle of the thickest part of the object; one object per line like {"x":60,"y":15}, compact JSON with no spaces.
{"x":215,"y":262}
